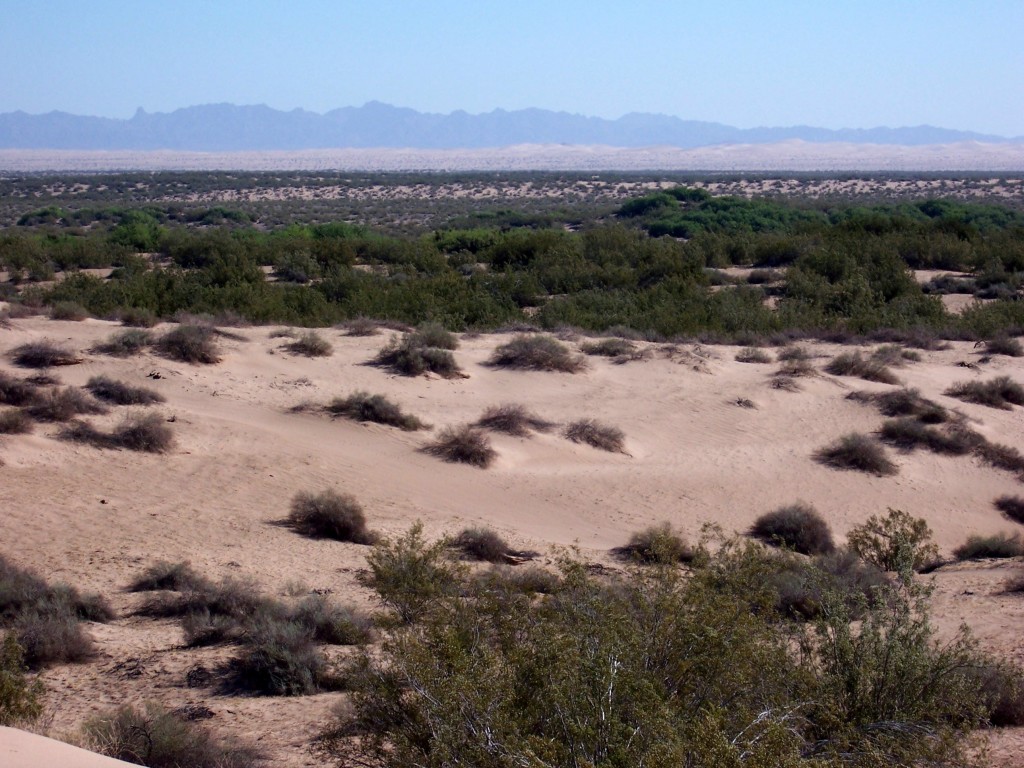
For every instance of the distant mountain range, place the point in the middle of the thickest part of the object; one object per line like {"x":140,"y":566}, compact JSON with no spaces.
{"x":231,"y":128}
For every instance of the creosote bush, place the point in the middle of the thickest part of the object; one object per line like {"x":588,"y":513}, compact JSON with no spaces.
{"x":125,"y":343}
{"x":43,"y":354}
{"x":896,"y":542}
{"x":998,"y":545}
{"x":799,"y":527}
{"x":657,"y":544}
{"x":362,"y":406}
{"x":513,"y":419}
{"x":1001,"y":392}
{"x":854,"y":364}
{"x":596,"y":434}
{"x":190,"y":344}
{"x":536,"y":353}
{"x":1012,"y":507}
{"x":117,"y":392}
{"x":310,"y":344}
{"x":857,"y":452}
{"x":464,"y":445}
{"x":329,"y":515}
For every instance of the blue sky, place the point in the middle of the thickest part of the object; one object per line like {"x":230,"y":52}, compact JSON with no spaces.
{"x":849,"y":64}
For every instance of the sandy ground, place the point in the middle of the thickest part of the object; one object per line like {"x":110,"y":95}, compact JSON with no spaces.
{"x":96,"y":518}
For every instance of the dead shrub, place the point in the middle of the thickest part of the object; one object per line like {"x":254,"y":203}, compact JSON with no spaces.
{"x":464,"y":445}
{"x":119,"y":393}
{"x":784,"y":383}
{"x":596,"y":434}
{"x":362,"y":406}
{"x":536,"y":353}
{"x":43,"y":354}
{"x":1001,"y":392}
{"x":310,"y":344}
{"x":63,"y":405}
{"x":753,"y":355}
{"x":125,"y":343}
{"x":329,"y":515}
{"x":15,"y":422}
{"x":857,"y":452}
{"x":190,"y":344}
{"x":798,"y":526}
{"x":657,"y":544}
{"x":1012,"y":507}
{"x":869,"y":369}
{"x":513,"y":419}
{"x":998,"y":545}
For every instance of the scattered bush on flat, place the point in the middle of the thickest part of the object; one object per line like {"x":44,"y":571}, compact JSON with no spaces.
{"x":362,"y":406}
{"x":43,"y":354}
{"x":310,"y":344}
{"x":908,"y":434}
{"x":753,"y":355}
{"x":125,"y":343}
{"x":190,"y":344}
{"x":15,"y":422}
{"x":1001,"y":392}
{"x":867,"y":368}
{"x":799,"y":527}
{"x":596,"y":434}
{"x":536,"y":353}
{"x":464,"y":445}
{"x":998,"y":545}
{"x":329,"y":515}
{"x":147,"y":433}
{"x":410,"y":358}
{"x":118,"y":393}
{"x":513,"y":419}
{"x":857,"y":452}
{"x":63,"y":405}
{"x":657,"y":544}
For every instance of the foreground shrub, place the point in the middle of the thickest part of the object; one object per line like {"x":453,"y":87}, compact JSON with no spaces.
{"x":190,"y":344}
{"x":657,"y":544}
{"x":125,"y":343}
{"x":897,"y":542}
{"x":50,"y":632}
{"x":1000,"y":392}
{"x":513,"y":419}
{"x":596,"y":434}
{"x":797,"y":526}
{"x":536,"y":353}
{"x":63,"y":405}
{"x":279,"y":659}
{"x":310,"y":344}
{"x":1012,"y":507}
{"x":332,"y":624}
{"x":362,"y":406}
{"x":869,"y":369}
{"x":998,"y":545}
{"x":329,"y":515}
{"x":464,"y":445}
{"x":119,"y":393}
{"x":857,"y":452}
{"x":20,"y":700}
{"x":1004,"y":345}
{"x":409,"y":357}
{"x":15,"y":422}
{"x":157,"y":738}
{"x":43,"y":354}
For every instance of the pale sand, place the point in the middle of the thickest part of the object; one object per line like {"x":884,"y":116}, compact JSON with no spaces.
{"x":20,"y":749}
{"x":97,"y":518}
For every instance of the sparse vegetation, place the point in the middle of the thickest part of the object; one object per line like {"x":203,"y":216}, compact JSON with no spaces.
{"x":15,"y":391}
{"x":137,"y":432}
{"x":483,"y":544}
{"x":409,"y":357}
{"x":125,"y":343}
{"x":329,"y":515}
{"x":68,"y":310}
{"x":21,"y":700}
{"x":1000,"y":392}
{"x":657,"y":544}
{"x":1004,"y":345}
{"x":998,"y":545}
{"x":117,"y":392}
{"x":362,"y":406}
{"x":15,"y":422}
{"x":135,"y":317}
{"x":753,"y":355}
{"x":43,"y":354}
{"x":909,"y":433}
{"x":854,"y":364}
{"x":190,"y":344}
{"x":596,"y":434}
{"x":897,"y":542}
{"x":799,"y":527}
{"x":513,"y":419}
{"x":164,"y":575}
{"x":857,"y":452}
{"x":609,"y":348}
{"x":310,"y":344}
{"x":1012,"y":507}
{"x":904,"y":402}
{"x":465,"y":445}
{"x":63,"y":405}
{"x":536,"y":353}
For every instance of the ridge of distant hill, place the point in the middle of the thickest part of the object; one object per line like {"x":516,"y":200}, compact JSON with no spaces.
{"x":231,"y":128}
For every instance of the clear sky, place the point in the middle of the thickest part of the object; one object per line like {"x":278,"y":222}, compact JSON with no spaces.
{"x":829,"y":63}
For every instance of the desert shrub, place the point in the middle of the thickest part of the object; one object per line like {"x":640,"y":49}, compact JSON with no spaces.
{"x":525,"y":580}
{"x":797,"y":526}
{"x":361,"y":326}
{"x":410,"y":358}
{"x":1000,"y":456}
{"x":536,"y":353}
{"x":155,"y":737}
{"x":329,"y":515}
{"x":465,"y":445}
{"x":233,"y":598}
{"x":20,"y":699}
{"x":1014,"y":585}
{"x":119,"y":393}
{"x":513,"y":419}
{"x":63,"y":405}
{"x":897,"y":542}
{"x":1004,"y":345}
{"x":43,"y":354}
{"x":908,"y":402}
{"x":853,"y":364}
{"x":753,"y":355}
{"x":143,"y":432}
{"x":1002,"y":687}
{"x":487,"y":545}
{"x":50,"y":633}
{"x":787,"y":354}
{"x":22,"y":590}
{"x":1012,"y":507}
{"x":610,"y":348}
{"x":908,"y":433}
{"x":68,"y":310}
{"x":311,"y":344}
{"x":15,"y":391}
{"x":332,"y":624}
{"x":1000,"y":392}
{"x":362,"y":406}
{"x":15,"y":422}
{"x":998,"y":545}
{"x":164,"y":575}
{"x":434,"y":336}
{"x":279,"y":659}
{"x":857,"y":452}
{"x":202,"y":628}
{"x":136,"y":317}
{"x":125,"y":343}
{"x":190,"y":344}
{"x":596,"y":434}
{"x":657,"y":544}
{"x":892,"y":354}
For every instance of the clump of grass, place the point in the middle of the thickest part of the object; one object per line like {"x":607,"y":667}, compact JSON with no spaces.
{"x":1004,"y":345}
{"x":164,"y":575}
{"x":1001,"y":392}
{"x":513,"y":419}
{"x":657,"y":544}
{"x":15,"y":391}
{"x":43,"y":354}
{"x":857,"y":452}
{"x":908,"y":434}
{"x":138,"y":317}
{"x":190,"y":344}
{"x":537,"y":353}
{"x":311,"y":344}
{"x":147,"y":433}
{"x":119,"y":393}
{"x":68,"y":310}
{"x":125,"y":343}
{"x":362,"y":406}
{"x":1012,"y":507}
{"x":904,"y":402}
{"x":15,"y":422}
{"x":329,"y":515}
{"x":464,"y":445}
{"x":799,"y":527}
{"x":998,"y":545}
{"x":596,"y":434}
{"x":753,"y":355}
{"x":410,"y":358}
{"x":63,"y":405}
{"x":610,"y":348}
{"x":854,"y":364}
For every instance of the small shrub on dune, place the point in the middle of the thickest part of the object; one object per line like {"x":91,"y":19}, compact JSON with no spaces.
{"x":311,"y":344}
{"x":1000,"y":456}
{"x":894,"y":355}
{"x":905,"y":402}
{"x":1012,"y":507}
{"x":657,"y":544}
{"x":190,"y":344}
{"x":597,"y":435}
{"x":797,"y":526}
{"x":362,"y":406}
{"x":279,"y":659}
{"x":137,"y":317}
{"x":143,"y":432}
{"x":15,"y":422}
{"x":68,"y":310}
{"x":410,"y":358}
{"x":857,"y":452}
{"x":125,"y":343}
{"x":908,"y":434}
{"x":793,"y":353}
{"x":361,"y":326}
{"x":20,"y":698}
{"x":51,"y":635}
{"x":796,"y":367}
{"x":119,"y":393}
{"x":753,"y":355}
{"x":43,"y":354}
{"x":434,"y":336}
{"x":1001,"y":392}
{"x":329,"y":515}
{"x":784,"y":383}
{"x":869,"y":369}
{"x":485,"y":544}
{"x":15,"y":391}
{"x":22,"y":589}
{"x":63,"y":405}
{"x":610,"y":348}
{"x":463,"y":445}
{"x":1004,"y":345}
{"x":164,"y":575}
{"x":537,"y":353}
{"x":998,"y":545}
{"x":332,"y":624}
{"x":513,"y":419}
{"x":229,"y":597}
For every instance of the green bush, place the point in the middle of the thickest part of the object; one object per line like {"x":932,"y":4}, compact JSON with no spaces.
{"x":20,"y":699}
{"x":857,"y":452}
{"x":329,"y":515}
{"x":362,"y":406}
{"x":657,"y":544}
{"x":536,"y":353}
{"x":897,"y":542}
{"x":464,"y":445}
{"x":799,"y":527}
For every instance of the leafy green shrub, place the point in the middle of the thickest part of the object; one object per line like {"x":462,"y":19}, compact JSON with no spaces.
{"x":329,"y":515}
{"x":753,"y":355}
{"x":1000,"y":392}
{"x":410,"y":358}
{"x":50,"y":633}
{"x":857,"y":452}
{"x":610,"y":348}
{"x":799,"y":527}
{"x":119,"y":393}
{"x":164,"y":575}
{"x":157,"y":738}
{"x":311,"y":344}
{"x":853,"y":364}
{"x":362,"y":406}
{"x":125,"y":343}
{"x":1004,"y":345}
{"x":536,"y":353}
{"x":189,"y":344}
{"x":908,"y":433}
{"x":63,"y":405}
{"x":513,"y":419}
{"x":998,"y":545}
{"x":897,"y":542}
{"x":657,"y":544}
{"x":137,"y":317}
{"x":43,"y":354}
{"x":465,"y":445}
{"x":68,"y":310}
{"x":20,"y":700}
{"x":1012,"y":507}
{"x":596,"y":434}
{"x":15,"y":422}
